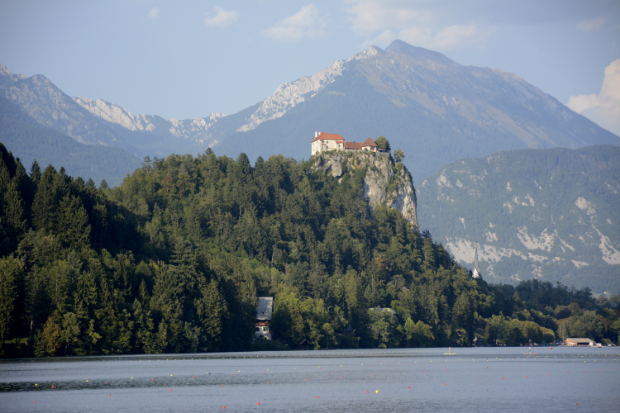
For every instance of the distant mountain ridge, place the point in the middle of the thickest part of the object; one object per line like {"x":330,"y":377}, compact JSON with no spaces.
{"x":97,"y":122}
{"x":550,"y":214}
{"x":194,"y":130}
{"x":434,"y":109}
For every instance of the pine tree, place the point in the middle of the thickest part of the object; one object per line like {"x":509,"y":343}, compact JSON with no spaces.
{"x":211,"y":309}
{"x":10,"y":269}
{"x":14,"y":212}
{"x":35,"y":172}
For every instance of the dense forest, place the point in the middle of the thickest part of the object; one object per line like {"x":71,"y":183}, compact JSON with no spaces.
{"x":175,"y":258}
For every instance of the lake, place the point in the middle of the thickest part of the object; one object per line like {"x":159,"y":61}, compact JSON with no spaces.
{"x":391,"y":380}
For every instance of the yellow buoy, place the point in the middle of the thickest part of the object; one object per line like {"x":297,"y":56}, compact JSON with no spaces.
{"x":376,"y":391}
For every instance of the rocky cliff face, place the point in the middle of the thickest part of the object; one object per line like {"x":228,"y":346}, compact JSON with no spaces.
{"x":385,"y":183}
{"x":547,"y":214}
{"x":196,"y":130}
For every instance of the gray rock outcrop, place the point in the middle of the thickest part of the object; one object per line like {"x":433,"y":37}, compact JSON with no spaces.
{"x":385,"y":183}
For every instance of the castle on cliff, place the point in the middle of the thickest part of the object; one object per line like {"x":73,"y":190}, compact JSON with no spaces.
{"x":333,"y":142}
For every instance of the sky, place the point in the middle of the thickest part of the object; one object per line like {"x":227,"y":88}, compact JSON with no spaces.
{"x":187,"y":59}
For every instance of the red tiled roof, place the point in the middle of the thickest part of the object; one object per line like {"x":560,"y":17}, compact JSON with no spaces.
{"x":328,"y":136}
{"x":369,"y":142}
{"x":353,"y":145}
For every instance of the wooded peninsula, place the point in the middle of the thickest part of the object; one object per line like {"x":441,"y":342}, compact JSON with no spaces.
{"x":175,"y":258}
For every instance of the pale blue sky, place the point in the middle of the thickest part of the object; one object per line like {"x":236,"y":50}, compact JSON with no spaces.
{"x":185,"y":59}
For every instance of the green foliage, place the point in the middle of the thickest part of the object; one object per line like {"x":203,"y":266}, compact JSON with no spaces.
{"x":384,"y":144}
{"x":399,"y":155}
{"x":173,"y":260}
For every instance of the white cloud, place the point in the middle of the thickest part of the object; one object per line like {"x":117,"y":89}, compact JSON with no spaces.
{"x":220,"y":17}
{"x":154,"y":13}
{"x":592,"y":25}
{"x":369,"y":16}
{"x":604,"y":108}
{"x":416,"y":26}
{"x":304,"y":23}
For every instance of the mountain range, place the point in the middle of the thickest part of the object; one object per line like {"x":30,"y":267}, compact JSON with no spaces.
{"x":434,"y":109}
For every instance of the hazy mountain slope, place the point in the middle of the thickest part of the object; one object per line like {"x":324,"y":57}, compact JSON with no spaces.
{"x":100,"y":122}
{"x":29,"y":140}
{"x":51,"y":107}
{"x":436,"y":110}
{"x":550,"y":213}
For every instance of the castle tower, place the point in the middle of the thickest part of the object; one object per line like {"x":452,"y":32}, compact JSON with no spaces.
{"x":476,"y":273}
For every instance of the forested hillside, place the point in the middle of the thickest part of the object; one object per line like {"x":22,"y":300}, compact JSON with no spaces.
{"x":173,"y":260}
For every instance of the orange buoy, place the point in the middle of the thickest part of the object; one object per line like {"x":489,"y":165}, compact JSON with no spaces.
{"x":444,"y":384}
{"x":108,"y":395}
{"x":170,"y":389}
{"x":257,"y":403}
{"x":317,"y":397}
{"x":267,"y":382}
{"x":223,"y":407}
{"x":409,"y":387}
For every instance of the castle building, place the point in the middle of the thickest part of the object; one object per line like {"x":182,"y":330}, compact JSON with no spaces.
{"x":323,"y":142}
{"x":476,"y":273}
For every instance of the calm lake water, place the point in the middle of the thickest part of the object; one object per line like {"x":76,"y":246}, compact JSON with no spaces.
{"x":407,"y":380}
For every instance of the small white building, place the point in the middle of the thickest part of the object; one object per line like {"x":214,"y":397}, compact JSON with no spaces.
{"x":576,"y":342}
{"x":476,"y":274}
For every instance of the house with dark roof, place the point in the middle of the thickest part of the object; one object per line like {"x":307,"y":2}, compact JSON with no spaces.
{"x":323,"y":142}
{"x":263,"y":318}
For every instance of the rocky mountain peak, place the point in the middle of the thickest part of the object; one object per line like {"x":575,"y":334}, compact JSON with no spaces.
{"x":370,"y":52}
{"x":7,"y":77}
{"x":419,"y":53}
{"x":290,"y":94}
